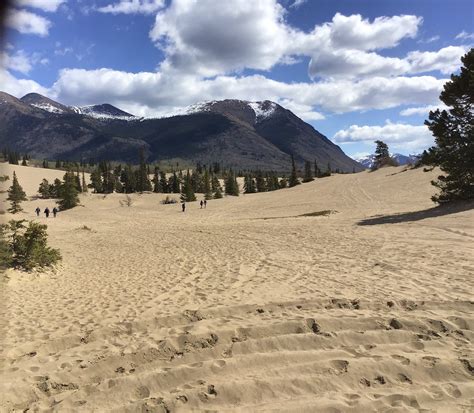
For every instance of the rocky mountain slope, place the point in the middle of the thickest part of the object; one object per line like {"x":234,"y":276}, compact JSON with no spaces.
{"x":236,"y":133}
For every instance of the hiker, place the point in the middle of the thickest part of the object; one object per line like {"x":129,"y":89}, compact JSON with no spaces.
{"x":55,"y":211}
{"x":37,"y":210}
{"x":202,"y":203}
{"x":184,"y":206}
{"x":205,"y":203}
{"x":46,"y":212}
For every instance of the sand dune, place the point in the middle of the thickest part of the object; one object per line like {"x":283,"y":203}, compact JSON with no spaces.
{"x":247,"y":305}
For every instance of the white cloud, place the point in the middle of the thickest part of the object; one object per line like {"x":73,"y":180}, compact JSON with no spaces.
{"x":19,"y":87}
{"x":133,"y":7}
{"x":201,"y":38}
{"x":446,"y":60}
{"x":465,"y":36}
{"x":45,"y":5}
{"x":429,"y":39}
{"x":297,"y":3}
{"x":23,"y":62}
{"x":422,"y":110}
{"x":399,"y":136}
{"x":28,"y":23}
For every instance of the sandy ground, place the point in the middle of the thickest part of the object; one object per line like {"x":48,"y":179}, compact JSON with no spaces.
{"x":245,"y":306}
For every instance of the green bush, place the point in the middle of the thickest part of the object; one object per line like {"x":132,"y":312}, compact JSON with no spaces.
{"x":26,"y":247}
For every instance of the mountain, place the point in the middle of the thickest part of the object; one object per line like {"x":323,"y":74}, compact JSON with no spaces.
{"x":239,"y":134}
{"x":368,"y":160}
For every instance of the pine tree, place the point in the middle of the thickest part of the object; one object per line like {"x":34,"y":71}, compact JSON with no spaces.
{"x":44,"y":189}
{"x":68,"y":193}
{"x":15,"y":195}
{"x":156,"y":181}
{"x":283,"y":182}
{"x":58,"y":164}
{"x":187,"y":193}
{"x":250,"y":186}
{"x":454,"y":136}
{"x":143,"y":182}
{"x":216,"y":187}
{"x":96,"y":181}
{"x":164,"y":183}
{"x":293,"y":181}
{"x":317,"y":172}
{"x":382,"y":155}
{"x":23,"y":162}
{"x":175,"y":183}
{"x":207,"y":189}
{"x":45,"y":164}
{"x":260,"y":183}
{"x":84,"y":185}
{"x":308,"y":173}
{"x":55,"y":189}
{"x":231,"y":185}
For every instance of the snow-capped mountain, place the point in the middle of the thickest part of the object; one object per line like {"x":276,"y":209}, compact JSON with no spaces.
{"x":239,"y":134}
{"x":104,"y":111}
{"x":368,"y":160}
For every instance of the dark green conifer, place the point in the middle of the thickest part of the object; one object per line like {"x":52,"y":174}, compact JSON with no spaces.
{"x":44,"y":189}
{"x":293,"y":181}
{"x":16,"y":196}
{"x":187,"y":193}
{"x":68,"y":194}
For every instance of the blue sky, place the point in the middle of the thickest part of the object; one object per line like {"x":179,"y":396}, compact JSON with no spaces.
{"x":356,"y":70}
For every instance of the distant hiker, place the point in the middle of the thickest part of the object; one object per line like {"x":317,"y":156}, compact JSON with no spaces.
{"x":184,"y":207}
{"x":46,"y":212}
{"x":37,"y":210}
{"x":55,"y":211}
{"x":205,"y":203}
{"x":202,"y":203}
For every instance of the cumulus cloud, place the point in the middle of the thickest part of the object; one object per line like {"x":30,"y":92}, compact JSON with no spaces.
{"x":28,"y":23}
{"x":423,"y":110}
{"x":200,"y":37}
{"x":446,"y":60}
{"x":45,"y":5}
{"x":400,"y":136}
{"x":133,"y":7}
{"x":19,"y":87}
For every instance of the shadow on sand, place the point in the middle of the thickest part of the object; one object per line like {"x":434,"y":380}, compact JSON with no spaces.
{"x":418,"y":215}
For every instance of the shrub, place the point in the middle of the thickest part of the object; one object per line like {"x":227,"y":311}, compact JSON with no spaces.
{"x":169,"y":200}
{"x":27,"y":245}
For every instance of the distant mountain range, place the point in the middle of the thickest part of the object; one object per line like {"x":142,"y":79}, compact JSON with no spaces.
{"x":368,"y":160}
{"x":241,"y":134}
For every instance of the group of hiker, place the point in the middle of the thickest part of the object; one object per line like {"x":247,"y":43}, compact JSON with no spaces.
{"x":47,"y":212}
{"x":203,"y":204}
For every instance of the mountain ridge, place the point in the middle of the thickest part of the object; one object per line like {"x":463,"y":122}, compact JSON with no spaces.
{"x":237,"y":133}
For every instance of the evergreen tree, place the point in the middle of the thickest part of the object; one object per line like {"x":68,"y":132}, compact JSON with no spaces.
{"x":156,"y":181}
{"x":15,"y":195}
{"x":454,"y":136}
{"x":45,"y":164}
{"x":96,"y":181}
{"x":175,"y":183}
{"x":293,"y":181}
{"x":55,"y":189}
{"x":207,"y":189}
{"x":164,"y":183}
{"x":84,"y":185}
{"x":231,"y":185}
{"x":250,"y":186}
{"x":23,"y":162}
{"x":317,"y":171}
{"x":260,"y":183}
{"x":187,"y":193}
{"x":44,"y":189}
{"x":382,"y":155}
{"x":58,"y":164}
{"x":68,"y":193}
{"x":143,"y":182}
{"x":272,"y":182}
{"x":283,"y":182}
{"x":216,"y":187}
{"x":308,"y":173}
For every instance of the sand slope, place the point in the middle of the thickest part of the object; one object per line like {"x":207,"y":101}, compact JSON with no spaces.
{"x":246,"y":307}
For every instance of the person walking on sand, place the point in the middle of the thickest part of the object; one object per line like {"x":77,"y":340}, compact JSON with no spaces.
{"x":37,"y":210}
{"x":183,"y":206}
{"x":202,"y":203}
{"x":55,"y":211}
{"x":205,"y":203}
{"x":46,"y":212}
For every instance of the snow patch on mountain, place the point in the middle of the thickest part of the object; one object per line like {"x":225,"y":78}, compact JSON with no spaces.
{"x":103,"y":112}
{"x":263,"y":110}
{"x":368,"y":160}
{"x":48,"y":107}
